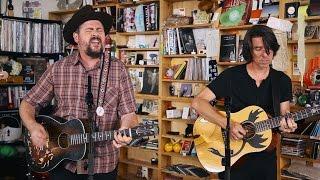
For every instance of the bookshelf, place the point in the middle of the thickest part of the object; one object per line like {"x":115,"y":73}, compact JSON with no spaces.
{"x":311,"y":50}
{"x":23,"y":43}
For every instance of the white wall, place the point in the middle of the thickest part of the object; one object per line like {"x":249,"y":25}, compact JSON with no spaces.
{"x":47,"y":5}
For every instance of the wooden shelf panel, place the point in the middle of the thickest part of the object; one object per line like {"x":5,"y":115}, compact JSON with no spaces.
{"x":177,"y":99}
{"x":184,"y":55}
{"x":139,"y":49}
{"x":309,"y":18}
{"x":187,"y":121}
{"x":185,"y":81}
{"x":308,"y":41}
{"x":179,"y":137}
{"x":142,"y":66}
{"x":138,"y":33}
{"x":139,"y":163}
{"x":289,"y":135}
{"x":173,"y":154}
{"x":230,"y":63}
{"x":146,"y":96}
{"x":194,"y":26}
{"x":301,"y":158}
{"x":242,"y":27}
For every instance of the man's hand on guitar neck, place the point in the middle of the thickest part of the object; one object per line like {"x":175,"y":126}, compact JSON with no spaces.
{"x":121,"y":139}
{"x":287,"y":124}
{"x":38,"y":135}
{"x":237,"y":132}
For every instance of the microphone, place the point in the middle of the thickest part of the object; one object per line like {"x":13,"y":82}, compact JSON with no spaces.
{"x":89,"y":96}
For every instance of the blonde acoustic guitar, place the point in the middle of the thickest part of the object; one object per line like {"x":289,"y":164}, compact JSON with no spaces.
{"x":210,"y":137}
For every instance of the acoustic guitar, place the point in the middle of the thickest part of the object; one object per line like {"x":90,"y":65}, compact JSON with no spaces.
{"x":210,"y":137}
{"x":68,"y":140}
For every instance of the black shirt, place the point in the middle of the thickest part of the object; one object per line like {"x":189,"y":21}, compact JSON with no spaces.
{"x":236,"y":83}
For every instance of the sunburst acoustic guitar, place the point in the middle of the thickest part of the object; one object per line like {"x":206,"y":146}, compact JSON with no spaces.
{"x":67,"y":140}
{"x":210,"y":138}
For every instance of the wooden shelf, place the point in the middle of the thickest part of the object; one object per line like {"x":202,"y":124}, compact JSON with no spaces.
{"x":308,"y":41}
{"x":187,"y":121}
{"x":138,"y":33}
{"x":185,"y":81}
{"x":290,"y":135}
{"x":179,"y":137}
{"x":184,"y":55}
{"x":139,"y":163}
{"x":173,"y":154}
{"x":230,"y":63}
{"x":146,"y":96}
{"x":177,"y":99}
{"x":194,"y":26}
{"x":142,"y":66}
{"x":242,"y":27}
{"x":139,"y":49}
{"x":301,"y":158}
{"x":309,"y":18}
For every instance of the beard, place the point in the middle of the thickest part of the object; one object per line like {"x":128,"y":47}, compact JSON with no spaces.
{"x":94,"y":53}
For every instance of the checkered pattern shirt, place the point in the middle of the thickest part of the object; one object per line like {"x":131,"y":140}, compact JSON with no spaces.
{"x":66,"y":82}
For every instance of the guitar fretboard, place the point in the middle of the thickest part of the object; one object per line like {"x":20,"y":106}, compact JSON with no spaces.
{"x":296,"y":116}
{"x":96,"y":136}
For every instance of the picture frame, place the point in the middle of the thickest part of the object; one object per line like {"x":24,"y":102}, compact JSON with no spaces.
{"x":186,"y":147}
{"x":186,"y":90}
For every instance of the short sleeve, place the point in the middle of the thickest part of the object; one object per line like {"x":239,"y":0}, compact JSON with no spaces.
{"x":285,"y":88}
{"x":127,"y":102}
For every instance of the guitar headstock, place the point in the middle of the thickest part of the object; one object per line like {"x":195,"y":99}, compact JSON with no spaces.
{"x":147,"y":129}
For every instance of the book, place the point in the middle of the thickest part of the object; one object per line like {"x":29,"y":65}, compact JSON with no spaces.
{"x":228,"y":48}
{"x":179,"y":72}
{"x":150,"y":81}
{"x":187,"y":40}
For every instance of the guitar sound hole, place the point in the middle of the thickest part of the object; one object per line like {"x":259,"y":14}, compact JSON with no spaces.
{"x":63,"y":141}
{"x":250,"y":129}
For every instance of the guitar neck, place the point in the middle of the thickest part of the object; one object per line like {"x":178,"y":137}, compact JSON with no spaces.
{"x":76,"y":139}
{"x":296,"y":116}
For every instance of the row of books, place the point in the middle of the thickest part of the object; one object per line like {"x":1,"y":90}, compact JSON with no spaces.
{"x":300,"y":147}
{"x":10,"y":97}
{"x":30,"y":37}
{"x":196,"y":69}
{"x":145,"y":80}
{"x":139,"y":18}
{"x":230,"y":48}
{"x":180,"y":41}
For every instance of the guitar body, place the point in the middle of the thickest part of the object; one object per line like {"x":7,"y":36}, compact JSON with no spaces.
{"x":210,"y":144}
{"x":58,"y":149}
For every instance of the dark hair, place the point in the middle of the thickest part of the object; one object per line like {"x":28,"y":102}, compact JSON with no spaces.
{"x":268,"y":37}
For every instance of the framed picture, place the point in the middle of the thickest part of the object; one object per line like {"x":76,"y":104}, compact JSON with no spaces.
{"x":186,"y":90}
{"x":186,"y":147}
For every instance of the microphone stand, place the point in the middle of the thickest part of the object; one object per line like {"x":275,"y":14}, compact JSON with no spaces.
{"x":89,"y":101}
{"x":227,"y":156}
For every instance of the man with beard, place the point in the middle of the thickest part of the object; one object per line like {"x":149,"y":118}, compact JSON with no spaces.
{"x":66,"y":83}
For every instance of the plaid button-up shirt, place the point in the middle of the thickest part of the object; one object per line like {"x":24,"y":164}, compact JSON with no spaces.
{"x":66,"y":82}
